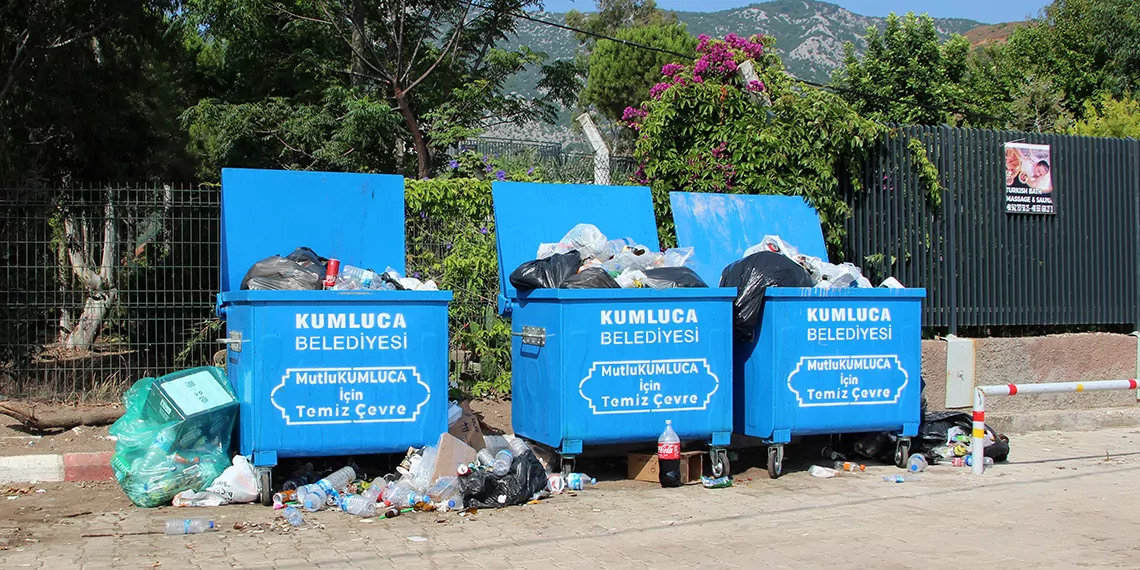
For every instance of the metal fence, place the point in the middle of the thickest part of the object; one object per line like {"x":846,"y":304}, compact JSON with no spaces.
{"x":983,"y":267}
{"x":103,"y":286}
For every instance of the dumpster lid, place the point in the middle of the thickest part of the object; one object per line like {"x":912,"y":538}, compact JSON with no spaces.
{"x":720,"y":227}
{"x":356,"y":218}
{"x":528,"y":214}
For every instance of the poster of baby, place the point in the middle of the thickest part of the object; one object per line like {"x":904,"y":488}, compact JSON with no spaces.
{"x":1028,"y":179}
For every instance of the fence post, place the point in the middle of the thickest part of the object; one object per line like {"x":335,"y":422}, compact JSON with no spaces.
{"x":601,"y":151}
{"x":949,"y":219}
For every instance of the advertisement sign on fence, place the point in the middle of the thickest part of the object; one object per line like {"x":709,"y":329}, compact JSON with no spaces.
{"x":1028,"y":179}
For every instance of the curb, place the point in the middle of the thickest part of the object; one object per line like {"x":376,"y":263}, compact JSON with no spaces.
{"x":69,"y":467}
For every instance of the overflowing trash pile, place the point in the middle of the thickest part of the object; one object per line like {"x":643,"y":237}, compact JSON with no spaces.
{"x":585,"y":259}
{"x":175,"y":435}
{"x":304,"y":270}
{"x":448,"y":476}
{"x":823,"y":274}
{"x":774,"y":263}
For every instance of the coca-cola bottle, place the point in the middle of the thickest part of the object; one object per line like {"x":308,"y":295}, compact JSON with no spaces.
{"x":669,"y":457}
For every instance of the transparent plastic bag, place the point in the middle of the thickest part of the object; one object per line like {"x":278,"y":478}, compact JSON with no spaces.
{"x":676,"y":257}
{"x":159,"y":450}
{"x":586,"y":239}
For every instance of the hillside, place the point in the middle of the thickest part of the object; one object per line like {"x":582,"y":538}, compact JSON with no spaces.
{"x":809,"y":37}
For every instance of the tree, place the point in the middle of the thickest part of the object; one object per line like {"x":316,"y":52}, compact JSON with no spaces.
{"x":704,"y":129}
{"x":612,"y":16}
{"x":1109,"y":117}
{"x":432,"y":62}
{"x":906,"y":62}
{"x":1008,"y":93}
{"x":620,"y":75}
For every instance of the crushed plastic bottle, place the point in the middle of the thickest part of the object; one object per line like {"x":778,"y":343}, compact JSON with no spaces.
{"x":352,"y":277}
{"x":335,"y":483}
{"x":822,"y":472}
{"x":579,"y":481}
{"x":518,"y":447}
{"x":917,"y":463}
{"x":502,"y":464}
{"x":849,"y":466}
{"x":900,"y":478}
{"x":189,"y":526}
{"x":446,"y":489}
{"x":485,"y":458}
{"x":293,"y":516}
{"x":987,"y":462}
{"x":358,"y":505}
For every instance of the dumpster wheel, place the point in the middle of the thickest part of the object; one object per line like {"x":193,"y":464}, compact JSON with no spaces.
{"x":902,"y":452}
{"x":718,"y":459}
{"x":775,"y":460}
{"x":265,"y":477}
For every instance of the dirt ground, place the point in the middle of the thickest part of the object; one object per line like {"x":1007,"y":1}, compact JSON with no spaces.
{"x":15,"y":439}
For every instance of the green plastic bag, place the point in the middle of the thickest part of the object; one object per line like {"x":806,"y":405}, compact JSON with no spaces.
{"x":174,"y":435}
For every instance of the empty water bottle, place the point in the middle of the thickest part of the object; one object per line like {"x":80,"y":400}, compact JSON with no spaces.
{"x":502,"y":463}
{"x":495,"y":443}
{"x":314,"y":499}
{"x":375,"y":489}
{"x":917,"y":463}
{"x":293,"y":516}
{"x":352,"y":277}
{"x":189,"y":526}
{"x":900,"y":478}
{"x":335,"y":483}
{"x":358,"y":505}
{"x":518,"y":447}
{"x":988,"y":461}
{"x":579,"y":481}
{"x":485,"y":458}
{"x":445,"y":489}
{"x":849,"y":466}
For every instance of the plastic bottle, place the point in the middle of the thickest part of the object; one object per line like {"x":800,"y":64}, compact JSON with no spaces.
{"x":900,"y":478}
{"x":822,"y":472}
{"x":917,"y":463}
{"x":445,"y":489}
{"x":352,"y":277}
{"x":376,"y":489}
{"x":314,"y":499}
{"x":518,"y":446}
{"x":579,"y":481}
{"x":502,"y":463}
{"x":336,"y":482}
{"x":293,"y":516}
{"x":189,"y":526}
{"x":849,"y":466}
{"x":495,"y":443}
{"x":485,"y":458}
{"x":668,"y":457}
{"x":988,"y":461}
{"x":358,"y":505}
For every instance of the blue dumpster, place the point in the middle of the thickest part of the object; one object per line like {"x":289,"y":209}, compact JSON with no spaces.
{"x":824,"y":361}
{"x":609,"y":366}
{"x":327,"y":373}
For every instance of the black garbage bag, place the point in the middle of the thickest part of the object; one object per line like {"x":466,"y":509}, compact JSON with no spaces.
{"x":936,"y":426}
{"x":481,"y":489}
{"x":547,"y":273}
{"x":933,"y":431}
{"x":591,"y":278}
{"x":752,"y":276}
{"x":302,"y":270}
{"x":668,"y":277}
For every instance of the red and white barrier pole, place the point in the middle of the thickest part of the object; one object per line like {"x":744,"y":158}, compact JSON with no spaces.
{"x":977,"y":443}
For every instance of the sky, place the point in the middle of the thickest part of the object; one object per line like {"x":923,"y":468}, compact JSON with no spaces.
{"x":986,"y":11}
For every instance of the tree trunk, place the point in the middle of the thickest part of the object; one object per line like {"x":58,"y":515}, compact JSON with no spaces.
{"x":50,"y":419}
{"x":358,"y":46}
{"x":99,"y":282}
{"x":417,"y":137}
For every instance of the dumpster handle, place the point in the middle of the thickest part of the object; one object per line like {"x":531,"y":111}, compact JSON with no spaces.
{"x":535,"y":336}
{"x":232,"y":342}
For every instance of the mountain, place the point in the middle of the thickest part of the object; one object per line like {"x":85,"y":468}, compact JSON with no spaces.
{"x":809,"y":37}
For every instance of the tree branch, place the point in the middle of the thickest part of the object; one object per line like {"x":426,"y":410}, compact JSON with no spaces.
{"x":75,"y":247}
{"x":449,"y":49}
{"x":110,"y":240}
{"x":17,"y":62}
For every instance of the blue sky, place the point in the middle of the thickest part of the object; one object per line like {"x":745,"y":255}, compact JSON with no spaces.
{"x":987,"y":11}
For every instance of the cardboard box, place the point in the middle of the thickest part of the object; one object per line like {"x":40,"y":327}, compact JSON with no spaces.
{"x":644,"y":467}
{"x":467,"y":428}
{"x":450,"y":452}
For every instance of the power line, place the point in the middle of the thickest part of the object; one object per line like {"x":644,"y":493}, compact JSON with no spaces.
{"x":831,"y":88}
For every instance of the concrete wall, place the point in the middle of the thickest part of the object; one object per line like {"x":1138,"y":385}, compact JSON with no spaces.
{"x":1058,"y":358}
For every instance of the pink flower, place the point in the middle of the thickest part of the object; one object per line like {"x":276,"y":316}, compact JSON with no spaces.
{"x":658,"y":90}
{"x":755,"y":86}
{"x":671,"y":69}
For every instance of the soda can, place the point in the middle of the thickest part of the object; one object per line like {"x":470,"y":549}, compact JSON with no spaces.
{"x":331,"y":273}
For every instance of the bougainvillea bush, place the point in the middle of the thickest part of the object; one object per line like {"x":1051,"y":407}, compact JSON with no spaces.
{"x":706,"y":128}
